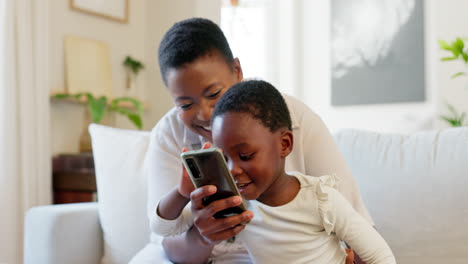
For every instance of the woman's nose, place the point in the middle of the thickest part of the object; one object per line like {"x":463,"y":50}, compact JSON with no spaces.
{"x":204,"y":112}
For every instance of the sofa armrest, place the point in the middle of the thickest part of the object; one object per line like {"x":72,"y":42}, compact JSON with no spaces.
{"x":68,"y":233}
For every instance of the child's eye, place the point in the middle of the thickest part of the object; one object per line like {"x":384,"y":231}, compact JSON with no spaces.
{"x":246,"y":157}
{"x":214,"y":95}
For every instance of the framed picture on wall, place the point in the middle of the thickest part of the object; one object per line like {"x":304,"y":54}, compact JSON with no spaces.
{"x":116,"y":10}
{"x":88,"y":67}
{"x":377,"y":52}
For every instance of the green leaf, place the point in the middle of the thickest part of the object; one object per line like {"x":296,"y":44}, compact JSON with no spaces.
{"x":121,"y":110}
{"x":448,"y":58}
{"x":451,"y":108}
{"x":444,"y":45}
{"x":136,"y":103}
{"x":458,"y":74}
{"x":460,"y":44}
{"x":133,"y":64}
{"x":134,"y":117}
{"x":457,"y":48}
{"x":136,"y":120}
{"x":455,"y":120}
{"x":451,"y":121}
{"x":465,"y":57}
{"x":97,"y":108}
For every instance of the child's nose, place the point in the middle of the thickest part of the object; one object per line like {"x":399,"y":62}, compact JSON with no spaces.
{"x":235,"y":170}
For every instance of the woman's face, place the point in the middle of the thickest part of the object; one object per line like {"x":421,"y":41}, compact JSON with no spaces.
{"x":197,"y":86}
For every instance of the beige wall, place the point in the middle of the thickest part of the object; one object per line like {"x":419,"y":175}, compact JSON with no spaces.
{"x":148,"y":21}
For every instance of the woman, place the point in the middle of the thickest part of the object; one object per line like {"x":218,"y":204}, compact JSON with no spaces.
{"x":197,"y":67}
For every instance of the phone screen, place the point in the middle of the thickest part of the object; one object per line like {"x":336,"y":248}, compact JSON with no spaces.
{"x":208,"y":167}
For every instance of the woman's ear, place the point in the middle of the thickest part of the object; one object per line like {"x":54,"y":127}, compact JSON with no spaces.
{"x":237,"y":69}
{"x":287,"y":142}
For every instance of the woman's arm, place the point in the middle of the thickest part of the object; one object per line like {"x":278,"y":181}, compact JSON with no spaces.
{"x":170,"y":207}
{"x":164,"y":170}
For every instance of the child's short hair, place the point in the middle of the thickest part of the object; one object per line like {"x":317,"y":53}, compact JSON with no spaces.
{"x":188,"y":40}
{"x":259,"y":99}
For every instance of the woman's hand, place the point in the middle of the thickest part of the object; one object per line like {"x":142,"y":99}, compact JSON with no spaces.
{"x":349,"y":256}
{"x":186,"y":185}
{"x":212,"y":230}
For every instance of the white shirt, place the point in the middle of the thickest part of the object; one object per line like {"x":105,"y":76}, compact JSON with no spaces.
{"x":314,"y":153}
{"x":309,"y":228}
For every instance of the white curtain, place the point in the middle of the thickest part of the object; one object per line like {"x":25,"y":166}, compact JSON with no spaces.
{"x":25,"y":163}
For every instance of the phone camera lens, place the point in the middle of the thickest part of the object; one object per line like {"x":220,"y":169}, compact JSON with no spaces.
{"x":193,"y":168}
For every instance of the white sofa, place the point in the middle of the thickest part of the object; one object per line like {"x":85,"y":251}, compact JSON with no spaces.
{"x":415,"y":187}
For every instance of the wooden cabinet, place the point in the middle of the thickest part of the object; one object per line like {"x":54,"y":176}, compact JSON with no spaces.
{"x":73,"y":178}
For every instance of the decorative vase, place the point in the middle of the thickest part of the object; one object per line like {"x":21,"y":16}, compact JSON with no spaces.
{"x":85,"y":144}
{"x":85,"y":138}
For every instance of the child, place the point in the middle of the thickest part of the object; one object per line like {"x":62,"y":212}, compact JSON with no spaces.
{"x":296,"y":218}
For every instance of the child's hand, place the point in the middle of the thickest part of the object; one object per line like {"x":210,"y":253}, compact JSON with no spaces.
{"x":186,"y":185}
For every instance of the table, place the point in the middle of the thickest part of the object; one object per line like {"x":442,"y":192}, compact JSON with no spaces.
{"x":73,"y":178}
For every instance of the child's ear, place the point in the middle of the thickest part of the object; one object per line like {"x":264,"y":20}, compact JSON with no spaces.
{"x":287,"y":140}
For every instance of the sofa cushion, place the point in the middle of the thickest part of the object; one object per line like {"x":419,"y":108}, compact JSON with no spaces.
{"x":119,"y":156}
{"x":415,"y":189}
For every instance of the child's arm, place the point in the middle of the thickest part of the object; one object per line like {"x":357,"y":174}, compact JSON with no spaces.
{"x":352,"y":228}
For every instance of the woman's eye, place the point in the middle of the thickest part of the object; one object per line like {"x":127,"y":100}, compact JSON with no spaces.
{"x":245,"y":157}
{"x":185,"y":107}
{"x":214,"y":95}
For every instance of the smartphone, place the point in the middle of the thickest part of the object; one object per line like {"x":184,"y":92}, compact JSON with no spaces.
{"x":208,"y":167}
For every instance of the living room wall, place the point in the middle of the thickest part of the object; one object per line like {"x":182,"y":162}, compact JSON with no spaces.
{"x":148,"y":21}
{"x":395,"y":117}
{"x":443,"y":20}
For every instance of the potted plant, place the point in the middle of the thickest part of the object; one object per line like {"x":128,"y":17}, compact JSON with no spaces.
{"x":98,"y":107}
{"x":132,"y":67}
{"x":459,"y":51}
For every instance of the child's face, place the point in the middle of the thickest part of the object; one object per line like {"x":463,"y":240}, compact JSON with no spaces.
{"x":197,"y":86}
{"x":255,"y":155}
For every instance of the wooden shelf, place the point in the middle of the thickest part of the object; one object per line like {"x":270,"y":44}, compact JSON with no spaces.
{"x":84,"y":100}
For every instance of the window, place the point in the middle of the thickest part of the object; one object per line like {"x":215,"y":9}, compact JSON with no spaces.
{"x":244,"y":24}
